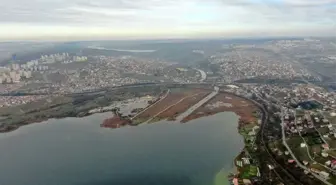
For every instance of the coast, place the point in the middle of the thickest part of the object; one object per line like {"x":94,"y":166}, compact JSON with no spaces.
{"x":57,"y":107}
{"x":176,"y":103}
{"x":245,"y":168}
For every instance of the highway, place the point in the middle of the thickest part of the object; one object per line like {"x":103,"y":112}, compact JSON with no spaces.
{"x":102,"y":89}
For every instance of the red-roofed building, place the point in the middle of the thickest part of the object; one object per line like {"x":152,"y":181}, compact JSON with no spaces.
{"x":291,"y":161}
{"x":235,"y":181}
{"x":325,"y":146}
{"x":333,"y":164}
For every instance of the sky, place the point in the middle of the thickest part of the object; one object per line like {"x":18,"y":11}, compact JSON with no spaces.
{"x":142,"y":19}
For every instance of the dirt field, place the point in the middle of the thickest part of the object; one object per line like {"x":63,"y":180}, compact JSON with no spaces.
{"x":174,"y":97}
{"x":181,"y":107}
{"x":224,"y":102}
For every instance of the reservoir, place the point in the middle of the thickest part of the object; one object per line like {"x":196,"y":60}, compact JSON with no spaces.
{"x":77,"y":151}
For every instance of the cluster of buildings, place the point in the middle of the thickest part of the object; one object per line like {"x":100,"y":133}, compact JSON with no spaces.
{"x":79,"y":58}
{"x":99,"y":73}
{"x":14,"y":74}
{"x":294,"y":94}
{"x":299,"y":43}
{"x":245,"y":64}
{"x":61,"y":57}
{"x":105,"y":71}
{"x":7,"y":101}
{"x":58,"y":57}
{"x":318,"y":140}
{"x":109,"y":72}
{"x":308,"y":121}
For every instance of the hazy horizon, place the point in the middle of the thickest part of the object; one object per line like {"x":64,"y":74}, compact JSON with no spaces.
{"x":164,"y":19}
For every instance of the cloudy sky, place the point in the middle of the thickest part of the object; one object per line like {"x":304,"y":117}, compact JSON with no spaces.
{"x":128,"y":19}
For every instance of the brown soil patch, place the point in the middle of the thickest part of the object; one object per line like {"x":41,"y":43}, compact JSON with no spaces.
{"x":225,"y":102}
{"x":181,"y":107}
{"x":171,"y":99}
{"x":115,"y":122}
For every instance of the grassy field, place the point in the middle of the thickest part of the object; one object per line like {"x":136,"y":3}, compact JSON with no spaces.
{"x":332,"y":119}
{"x":331,"y":142}
{"x":248,"y":171}
{"x":323,"y":130}
{"x":300,"y":153}
{"x":319,"y":167}
{"x":332,"y":180}
{"x":332,"y":152}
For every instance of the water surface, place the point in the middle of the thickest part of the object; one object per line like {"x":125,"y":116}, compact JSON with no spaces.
{"x":76,"y":151}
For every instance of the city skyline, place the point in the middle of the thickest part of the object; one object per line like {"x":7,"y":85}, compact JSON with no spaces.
{"x":156,"y":19}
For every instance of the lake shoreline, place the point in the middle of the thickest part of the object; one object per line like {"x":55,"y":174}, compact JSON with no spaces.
{"x":240,"y":123}
{"x":10,"y":128}
{"x":164,"y":140}
{"x":226,"y":177}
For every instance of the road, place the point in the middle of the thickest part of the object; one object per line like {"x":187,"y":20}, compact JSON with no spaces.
{"x":203,"y":75}
{"x":304,"y":141}
{"x":197,"y":105}
{"x":261,"y":137}
{"x":307,"y":146}
{"x":101,"y":90}
{"x":148,"y":121}
{"x":290,"y":151}
{"x":284,"y":142}
{"x":325,"y":142}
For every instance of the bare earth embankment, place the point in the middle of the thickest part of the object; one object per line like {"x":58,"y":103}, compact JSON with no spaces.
{"x":225,"y":102}
{"x":171,"y":106}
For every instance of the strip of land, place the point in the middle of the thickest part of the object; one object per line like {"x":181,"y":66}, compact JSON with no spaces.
{"x":226,"y":102}
{"x":177,"y":102}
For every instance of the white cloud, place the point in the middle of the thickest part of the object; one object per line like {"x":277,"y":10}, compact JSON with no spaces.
{"x":64,"y":18}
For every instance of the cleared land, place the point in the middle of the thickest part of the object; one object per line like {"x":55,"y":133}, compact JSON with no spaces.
{"x":181,"y":107}
{"x":183,"y":98}
{"x":224,"y":102}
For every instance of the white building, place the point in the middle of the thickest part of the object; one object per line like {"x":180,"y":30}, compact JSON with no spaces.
{"x":27,"y":74}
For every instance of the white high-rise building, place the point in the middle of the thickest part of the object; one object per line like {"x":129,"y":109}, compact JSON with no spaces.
{"x":17,"y":78}
{"x":8,"y":80}
{"x":14,"y":76}
{"x":15,"y":67}
{"x":27,"y":74}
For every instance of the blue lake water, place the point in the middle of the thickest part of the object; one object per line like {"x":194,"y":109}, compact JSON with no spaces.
{"x":77,"y":151}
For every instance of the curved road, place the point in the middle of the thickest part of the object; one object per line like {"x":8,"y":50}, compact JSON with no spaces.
{"x":203,"y":75}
